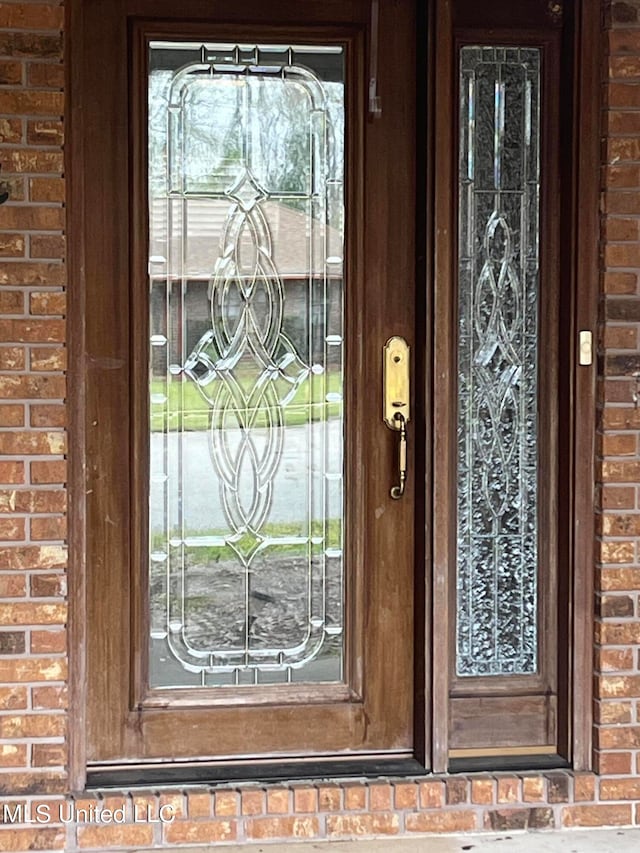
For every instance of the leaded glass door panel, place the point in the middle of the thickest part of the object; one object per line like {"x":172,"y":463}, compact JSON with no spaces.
{"x":246,"y":179}
{"x":258,"y":602}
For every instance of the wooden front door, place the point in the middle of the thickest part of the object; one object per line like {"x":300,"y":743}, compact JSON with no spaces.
{"x":249,"y":224}
{"x":336,"y":424}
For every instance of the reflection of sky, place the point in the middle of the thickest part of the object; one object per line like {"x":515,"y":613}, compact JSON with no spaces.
{"x":279,"y":130}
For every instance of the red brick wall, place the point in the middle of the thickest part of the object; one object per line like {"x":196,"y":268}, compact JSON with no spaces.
{"x":617,"y":735}
{"x":32,"y":413}
{"x":33,"y":716}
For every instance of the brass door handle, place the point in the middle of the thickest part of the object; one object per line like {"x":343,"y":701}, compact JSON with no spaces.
{"x":396,"y":402}
{"x":398,"y":491}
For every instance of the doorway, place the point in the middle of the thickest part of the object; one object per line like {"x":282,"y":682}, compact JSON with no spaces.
{"x":331,"y":383}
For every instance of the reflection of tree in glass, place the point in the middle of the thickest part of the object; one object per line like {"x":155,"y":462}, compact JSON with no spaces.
{"x":279,"y":144}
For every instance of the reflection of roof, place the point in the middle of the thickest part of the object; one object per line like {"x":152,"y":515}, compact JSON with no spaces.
{"x":290,"y":232}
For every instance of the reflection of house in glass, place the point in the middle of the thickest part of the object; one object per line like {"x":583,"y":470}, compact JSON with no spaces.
{"x":313,"y":299}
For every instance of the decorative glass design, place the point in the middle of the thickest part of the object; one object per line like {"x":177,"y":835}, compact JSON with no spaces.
{"x":497,"y":507}
{"x":246,"y":150}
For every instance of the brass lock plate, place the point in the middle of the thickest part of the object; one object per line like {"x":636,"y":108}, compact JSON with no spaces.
{"x":396,"y":382}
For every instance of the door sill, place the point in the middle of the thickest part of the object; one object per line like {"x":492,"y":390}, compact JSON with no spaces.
{"x":135,"y":776}
{"x":515,"y":763}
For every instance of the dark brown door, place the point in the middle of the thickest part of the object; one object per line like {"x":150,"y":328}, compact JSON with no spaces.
{"x":262,"y":206}
{"x":249,"y":249}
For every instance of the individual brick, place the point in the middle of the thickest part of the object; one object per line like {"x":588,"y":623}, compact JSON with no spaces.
{"x":200,"y":831}
{"x":17,"y":613}
{"x":48,"y":528}
{"x":45,"y":132}
{"x":12,"y":528}
{"x":40,"y":838}
{"x":106,"y":836}
{"x":25,"y":102}
{"x":47,"y":246}
{"x":45,"y":75}
{"x":45,"y":472}
{"x":49,"y":358}
{"x":329,"y":798}
{"x":53,"y":190}
{"x":278,"y":801}
{"x":597,"y":815}
{"x":405,"y":795}
{"x":620,"y":789}
{"x":380,"y":796}
{"x":454,"y":820}
{"x":48,"y":642}
{"x":252,"y":801}
{"x":355,"y":796}
{"x":12,"y":586}
{"x":501,"y":820}
{"x":32,"y":726}
{"x":33,"y":557}
{"x":48,"y":586}
{"x":431,"y":794}
{"x":456,"y":791}
{"x":199,"y":804}
{"x":11,"y":643}
{"x":48,"y":303}
{"x":13,"y":755}
{"x":354,"y":825}
{"x":48,"y":755}
{"x":264,"y":828}
{"x":305,"y":799}
{"x":12,"y":245}
{"x":12,"y":358}
{"x":49,"y":698}
{"x":42,"y":415}
{"x":482,"y":791}
{"x":31,"y":16}
{"x":12,"y":415}
{"x":45,"y":273}
{"x":10,"y":73}
{"x":508,"y":790}
{"x":612,"y":763}
{"x":33,"y":331}
{"x":12,"y":698}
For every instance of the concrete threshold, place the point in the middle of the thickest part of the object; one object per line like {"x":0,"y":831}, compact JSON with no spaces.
{"x":567,"y":841}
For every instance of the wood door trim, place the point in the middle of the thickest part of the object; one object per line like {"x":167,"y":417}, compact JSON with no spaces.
{"x":76,"y":399}
{"x":588,"y":120}
{"x":442,"y":139}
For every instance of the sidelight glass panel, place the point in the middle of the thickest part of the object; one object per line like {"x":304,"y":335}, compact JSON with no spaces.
{"x":246,"y":158}
{"x":498,"y":298}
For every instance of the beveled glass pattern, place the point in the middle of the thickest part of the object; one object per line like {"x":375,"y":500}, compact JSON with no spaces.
{"x":497,"y":507}
{"x":246,"y":149}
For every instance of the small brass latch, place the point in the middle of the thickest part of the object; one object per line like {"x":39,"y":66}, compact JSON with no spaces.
{"x":586,"y":348}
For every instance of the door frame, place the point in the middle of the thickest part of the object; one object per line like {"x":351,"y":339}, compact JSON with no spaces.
{"x":432,"y":694}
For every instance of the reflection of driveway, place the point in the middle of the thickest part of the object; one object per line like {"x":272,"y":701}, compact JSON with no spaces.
{"x":303,"y":449}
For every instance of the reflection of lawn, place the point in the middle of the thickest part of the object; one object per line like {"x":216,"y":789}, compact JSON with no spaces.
{"x":188,"y":410}
{"x":330,"y":532}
